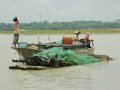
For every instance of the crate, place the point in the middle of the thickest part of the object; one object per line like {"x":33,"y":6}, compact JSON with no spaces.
{"x":67,"y":40}
{"x":22,"y":45}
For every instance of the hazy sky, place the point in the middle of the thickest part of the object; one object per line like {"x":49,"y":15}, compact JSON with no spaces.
{"x":59,"y":10}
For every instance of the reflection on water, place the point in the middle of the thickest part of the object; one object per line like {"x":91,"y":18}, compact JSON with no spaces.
{"x":102,"y":76}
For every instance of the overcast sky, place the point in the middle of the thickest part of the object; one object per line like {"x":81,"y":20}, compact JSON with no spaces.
{"x":59,"y":10}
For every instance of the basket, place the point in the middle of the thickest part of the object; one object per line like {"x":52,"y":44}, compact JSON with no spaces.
{"x":22,"y":45}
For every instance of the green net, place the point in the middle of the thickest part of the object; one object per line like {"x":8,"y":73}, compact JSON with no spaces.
{"x":59,"y":42}
{"x":58,"y":57}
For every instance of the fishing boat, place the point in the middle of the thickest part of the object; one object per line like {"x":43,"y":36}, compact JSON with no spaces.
{"x":25,"y":49}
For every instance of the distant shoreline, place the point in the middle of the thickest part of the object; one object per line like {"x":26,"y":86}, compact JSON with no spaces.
{"x":68,"y":32}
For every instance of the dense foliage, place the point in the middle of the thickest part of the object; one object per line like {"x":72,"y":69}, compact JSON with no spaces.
{"x":76,"y":25}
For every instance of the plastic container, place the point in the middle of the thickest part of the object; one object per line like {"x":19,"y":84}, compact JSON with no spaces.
{"x":22,"y":45}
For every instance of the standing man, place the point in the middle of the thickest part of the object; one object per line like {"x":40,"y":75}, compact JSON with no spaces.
{"x":16,"y":31}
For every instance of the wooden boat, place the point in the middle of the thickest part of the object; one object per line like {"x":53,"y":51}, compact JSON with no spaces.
{"x":25,"y":50}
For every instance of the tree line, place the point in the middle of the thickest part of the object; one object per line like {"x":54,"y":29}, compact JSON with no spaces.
{"x":73,"y":25}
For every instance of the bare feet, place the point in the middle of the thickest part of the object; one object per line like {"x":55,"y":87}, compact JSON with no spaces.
{"x":13,"y":46}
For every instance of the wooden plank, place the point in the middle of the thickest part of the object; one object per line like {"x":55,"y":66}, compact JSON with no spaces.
{"x":26,"y":67}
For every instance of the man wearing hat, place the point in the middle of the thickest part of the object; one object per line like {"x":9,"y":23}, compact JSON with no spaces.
{"x":77,"y":33}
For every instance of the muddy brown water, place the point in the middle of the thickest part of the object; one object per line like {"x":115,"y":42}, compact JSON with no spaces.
{"x":102,"y":76}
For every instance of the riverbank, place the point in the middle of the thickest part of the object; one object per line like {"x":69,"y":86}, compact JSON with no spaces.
{"x":52,"y":32}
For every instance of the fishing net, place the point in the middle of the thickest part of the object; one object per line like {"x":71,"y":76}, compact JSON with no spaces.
{"x":59,"y":57}
{"x":59,"y":42}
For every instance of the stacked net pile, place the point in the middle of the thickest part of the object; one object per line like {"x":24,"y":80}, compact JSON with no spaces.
{"x":58,"y":57}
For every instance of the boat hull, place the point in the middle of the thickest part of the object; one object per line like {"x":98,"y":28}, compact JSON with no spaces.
{"x":26,"y":52}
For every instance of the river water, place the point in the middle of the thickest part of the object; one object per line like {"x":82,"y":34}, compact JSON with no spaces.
{"x":102,"y":76}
